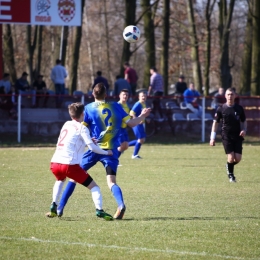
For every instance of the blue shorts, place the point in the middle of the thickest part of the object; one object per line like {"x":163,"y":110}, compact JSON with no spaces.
{"x":90,"y":158}
{"x":123,"y":137}
{"x":139,"y":131}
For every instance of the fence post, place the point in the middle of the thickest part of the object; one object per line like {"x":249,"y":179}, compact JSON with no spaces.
{"x":19,"y":119}
{"x":203,"y":121}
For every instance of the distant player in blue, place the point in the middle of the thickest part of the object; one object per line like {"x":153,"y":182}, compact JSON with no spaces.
{"x":123,"y":137}
{"x":104,"y":120}
{"x":139,"y":130}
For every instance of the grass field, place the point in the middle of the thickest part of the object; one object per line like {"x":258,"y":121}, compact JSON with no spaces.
{"x":180,"y":205}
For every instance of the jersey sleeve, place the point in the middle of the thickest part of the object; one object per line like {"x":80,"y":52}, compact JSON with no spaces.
{"x":85,"y":135}
{"x":86,"y":117}
{"x":243,"y":115}
{"x":218,"y":115}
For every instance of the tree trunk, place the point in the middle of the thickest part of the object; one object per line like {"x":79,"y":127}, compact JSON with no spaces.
{"x":73,"y":71}
{"x":150,"y":41}
{"x":208,"y":12}
{"x":8,"y":53}
{"x":255,"y":85}
{"x":165,"y":44}
{"x":130,"y":8}
{"x":194,"y":47}
{"x":37,"y":69}
{"x":64,"y":44}
{"x":225,"y":18}
{"x":245,"y":78}
{"x":30,"y":50}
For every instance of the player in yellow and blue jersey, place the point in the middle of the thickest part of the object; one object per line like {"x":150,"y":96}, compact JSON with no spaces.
{"x":123,"y":137}
{"x":139,"y":130}
{"x":104,"y":120}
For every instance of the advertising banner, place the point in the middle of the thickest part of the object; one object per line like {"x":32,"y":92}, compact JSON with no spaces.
{"x":41,"y":12}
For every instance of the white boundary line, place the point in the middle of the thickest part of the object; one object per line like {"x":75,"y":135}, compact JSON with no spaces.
{"x":166,"y":251}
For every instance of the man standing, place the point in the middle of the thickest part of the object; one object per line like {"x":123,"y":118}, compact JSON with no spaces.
{"x":131,"y":77}
{"x":139,"y":130}
{"x":58,"y":76}
{"x":100,"y":79}
{"x":156,"y":87}
{"x":121,"y":84}
{"x":73,"y":139}
{"x":180,"y":87}
{"x":233,"y":130}
{"x":105,"y":120}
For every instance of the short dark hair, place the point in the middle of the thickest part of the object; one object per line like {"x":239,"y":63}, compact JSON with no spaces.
{"x":24,"y":74}
{"x":75,"y":110}
{"x":154,"y":69}
{"x":126,"y":63}
{"x":118,"y":77}
{"x":99,"y":73}
{"x":58,"y":61}
{"x":124,"y":90}
{"x":99,"y":91}
{"x":181,"y":77}
{"x":6,"y":75}
{"x":40,"y":76}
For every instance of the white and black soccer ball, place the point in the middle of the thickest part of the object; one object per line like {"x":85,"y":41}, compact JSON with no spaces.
{"x":131,"y":33}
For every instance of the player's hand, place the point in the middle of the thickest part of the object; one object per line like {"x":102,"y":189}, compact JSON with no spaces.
{"x":146,"y":112}
{"x":212,"y":142}
{"x":95,"y":141}
{"x":110,"y":152}
{"x":242,"y":133}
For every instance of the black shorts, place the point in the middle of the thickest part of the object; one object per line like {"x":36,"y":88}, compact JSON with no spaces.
{"x":232,"y":145}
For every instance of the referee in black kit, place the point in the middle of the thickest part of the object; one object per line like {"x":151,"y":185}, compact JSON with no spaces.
{"x":233,"y":130}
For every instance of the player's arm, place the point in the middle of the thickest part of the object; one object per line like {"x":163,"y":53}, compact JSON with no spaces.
{"x":137,"y":120}
{"x":213,"y":133}
{"x":91,"y":146}
{"x":243,"y":127}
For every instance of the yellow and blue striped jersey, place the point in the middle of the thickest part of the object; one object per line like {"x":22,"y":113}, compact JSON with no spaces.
{"x":105,"y":120}
{"x":137,"y":108}
{"x":127,"y":110}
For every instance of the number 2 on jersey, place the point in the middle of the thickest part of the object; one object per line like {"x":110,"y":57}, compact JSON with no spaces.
{"x":109,"y":114}
{"x":62,"y":137}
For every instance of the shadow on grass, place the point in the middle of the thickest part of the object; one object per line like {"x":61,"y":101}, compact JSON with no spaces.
{"x":198,"y":218}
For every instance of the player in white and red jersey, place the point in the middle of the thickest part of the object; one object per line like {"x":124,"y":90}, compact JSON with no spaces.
{"x":73,"y":139}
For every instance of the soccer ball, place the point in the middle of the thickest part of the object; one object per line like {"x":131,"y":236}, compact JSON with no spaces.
{"x":131,"y":33}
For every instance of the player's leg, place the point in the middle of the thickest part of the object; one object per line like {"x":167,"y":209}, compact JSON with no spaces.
{"x":89,"y":159}
{"x":140,"y":134}
{"x":57,"y":188}
{"x":133,"y":142}
{"x":117,"y":193}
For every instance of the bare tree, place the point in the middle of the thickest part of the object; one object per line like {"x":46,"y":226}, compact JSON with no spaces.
{"x":165,"y":44}
{"x":255,"y":75}
{"x":225,"y":19}
{"x":38,"y":58}
{"x":73,"y":70}
{"x":194,"y":47}
{"x":8,"y":53}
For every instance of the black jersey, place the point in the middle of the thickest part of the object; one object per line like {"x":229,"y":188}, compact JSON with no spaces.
{"x":231,"y":117}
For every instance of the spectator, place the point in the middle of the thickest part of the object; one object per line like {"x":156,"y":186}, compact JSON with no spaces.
{"x":219,"y":98}
{"x":5,"y":82}
{"x":180,"y":87}
{"x":58,"y":75}
{"x":100,"y":79}
{"x":191,"y":99}
{"x":237,"y":99}
{"x":41,"y":89}
{"x":23,"y":87}
{"x":6,"y":103}
{"x":156,"y":87}
{"x":131,"y":77}
{"x":121,"y":84}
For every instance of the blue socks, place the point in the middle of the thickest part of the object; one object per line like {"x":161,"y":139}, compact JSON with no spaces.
{"x":137,"y":148}
{"x":132,"y":143}
{"x":65,"y":195}
{"x":117,"y":193}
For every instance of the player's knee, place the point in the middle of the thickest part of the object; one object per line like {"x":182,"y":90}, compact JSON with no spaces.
{"x":110,"y":171}
{"x":141,"y":141}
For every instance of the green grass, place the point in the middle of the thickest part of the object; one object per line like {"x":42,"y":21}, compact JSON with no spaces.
{"x":180,"y":205}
